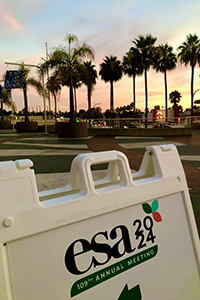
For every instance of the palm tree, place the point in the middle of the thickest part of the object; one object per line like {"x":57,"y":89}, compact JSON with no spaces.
{"x":30,"y":81}
{"x":190,"y":54}
{"x":175,"y":97}
{"x":5,"y":98}
{"x":65,"y":60}
{"x":88,"y":77}
{"x":132,"y":67}
{"x":165,"y":60}
{"x":26,"y":71}
{"x":54,"y":87}
{"x":111,"y":71}
{"x":146,"y":48}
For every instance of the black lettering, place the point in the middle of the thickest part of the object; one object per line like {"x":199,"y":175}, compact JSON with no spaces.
{"x":151,"y":237}
{"x":139,"y":233}
{"x":70,"y":261}
{"x":100,"y":248}
{"x":125,"y":240}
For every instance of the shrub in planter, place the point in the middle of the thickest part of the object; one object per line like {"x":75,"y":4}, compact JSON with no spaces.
{"x":27,"y":126}
{"x":5,"y":125}
{"x":72,"y":130}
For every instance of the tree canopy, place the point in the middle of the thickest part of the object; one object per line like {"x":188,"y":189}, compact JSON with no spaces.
{"x":111,"y":71}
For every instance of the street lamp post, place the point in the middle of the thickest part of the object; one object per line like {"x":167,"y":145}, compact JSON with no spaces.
{"x":193,"y":98}
{"x":95,"y":105}
{"x":90,"y":112}
{"x":197,"y":101}
{"x":195,"y":92}
{"x":47,"y":57}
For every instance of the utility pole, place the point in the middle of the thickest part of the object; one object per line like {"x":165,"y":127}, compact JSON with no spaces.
{"x":47,"y":57}
{"x":43,"y":94}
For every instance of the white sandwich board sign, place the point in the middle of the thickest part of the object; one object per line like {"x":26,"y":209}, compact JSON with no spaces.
{"x":126,"y":236}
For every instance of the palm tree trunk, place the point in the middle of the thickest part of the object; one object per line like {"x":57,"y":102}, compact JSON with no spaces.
{"x":49,"y":100}
{"x":25,"y":104}
{"x":89,"y":103}
{"x":71,"y":101}
{"x":165,"y":81}
{"x":192,"y":88}
{"x":2,"y":116}
{"x":134,"y":98}
{"x":111,"y":97}
{"x":55,"y":103}
{"x":89,"y":97}
{"x":75,"y":102}
{"x":146,"y":97}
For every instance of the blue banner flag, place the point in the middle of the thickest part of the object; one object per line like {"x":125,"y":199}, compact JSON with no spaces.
{"x":15,"y":80}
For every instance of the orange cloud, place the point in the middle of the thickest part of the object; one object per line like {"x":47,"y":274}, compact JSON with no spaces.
{"x":11,"y":21}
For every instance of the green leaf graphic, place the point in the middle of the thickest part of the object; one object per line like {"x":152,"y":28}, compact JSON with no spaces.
{"x":134,"y":293}
{"x":147,"y":208}
{"x":154,"y":205}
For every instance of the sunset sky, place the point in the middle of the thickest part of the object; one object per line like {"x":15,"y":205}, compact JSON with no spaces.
{"x":109,"y":26}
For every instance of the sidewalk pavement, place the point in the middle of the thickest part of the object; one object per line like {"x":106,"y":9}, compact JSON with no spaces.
{"x":52,"y":156}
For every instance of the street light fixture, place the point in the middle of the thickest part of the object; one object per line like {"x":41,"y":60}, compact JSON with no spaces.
{"x":90,"y":112}
{"x":95,"y":105}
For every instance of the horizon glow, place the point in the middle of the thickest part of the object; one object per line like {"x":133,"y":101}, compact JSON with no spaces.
{"x":109,"y":26}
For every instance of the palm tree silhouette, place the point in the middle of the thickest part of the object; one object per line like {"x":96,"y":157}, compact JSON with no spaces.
{"x":165,"y":60}
{"x":132,"y":66}
{"x":30,"y":81}
{"x":146,"y":48}
{"x":54,"y":87}
{"x":88,"y":76}
{"x":111,"y":71}
{"x":65,"y":60}
{"x":189,"y":53}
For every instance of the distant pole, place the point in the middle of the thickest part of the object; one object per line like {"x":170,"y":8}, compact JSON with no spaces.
{"x":47,"y":57}
{"x":13,"y":125}
{"x":45,"y":115}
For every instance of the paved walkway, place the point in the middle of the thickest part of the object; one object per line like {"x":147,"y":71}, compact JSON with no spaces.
{"x":134,"y":150}
{"x":60,"y":152}
{"x":52,"y":157}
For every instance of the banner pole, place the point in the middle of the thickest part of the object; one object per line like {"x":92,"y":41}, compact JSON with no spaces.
{"x":13,"y":125}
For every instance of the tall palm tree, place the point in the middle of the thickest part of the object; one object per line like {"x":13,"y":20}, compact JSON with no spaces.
{"x":165,"y":60}
{"x":132,"y":67}
{"x":66,"y":60}
{"x":189,"y":53}
{"x":30,"y":81}
{"x":26,"y":72}
{"x":146,"y":48}
{"x":54,"y":87}
{"x":111,"y":71}
{"x":88,"y":76}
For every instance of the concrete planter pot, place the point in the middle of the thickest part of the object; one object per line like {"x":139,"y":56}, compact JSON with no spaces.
{"x":72,"y":130}
{"x":5,"y":124}
{"x":27,"y":126}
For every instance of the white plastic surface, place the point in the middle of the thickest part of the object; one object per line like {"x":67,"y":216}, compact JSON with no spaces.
{"x":35,"y":235}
